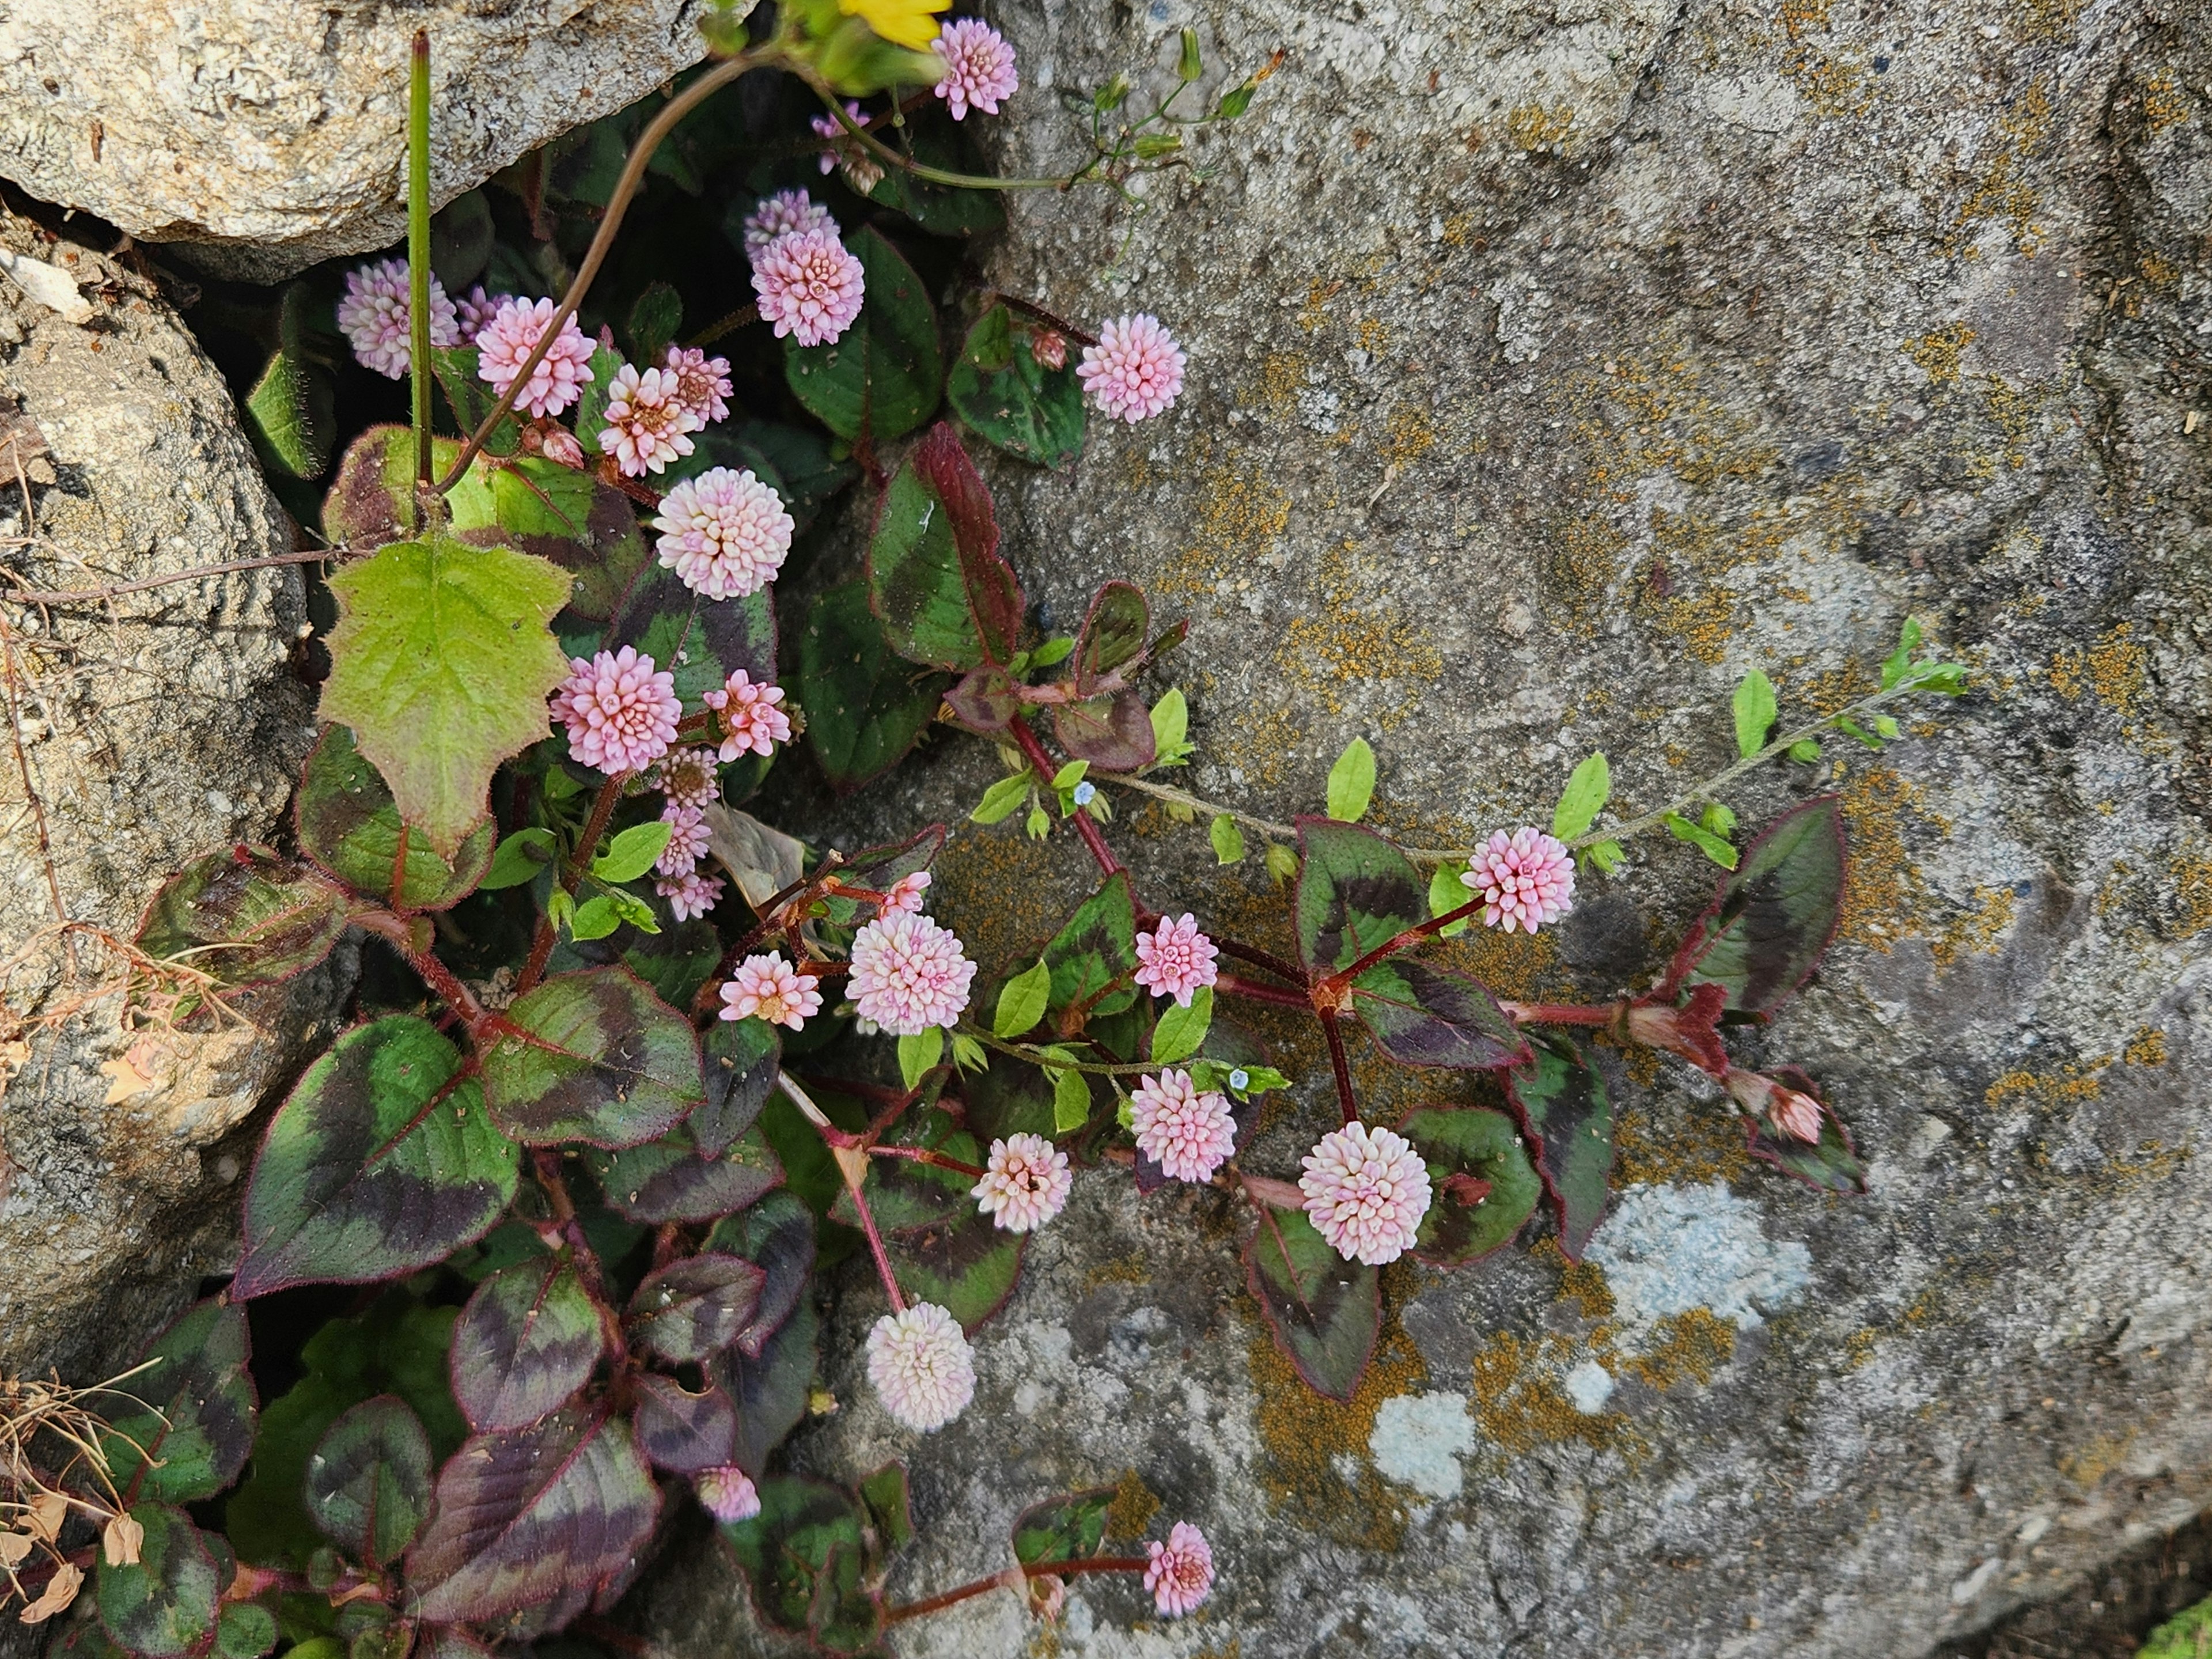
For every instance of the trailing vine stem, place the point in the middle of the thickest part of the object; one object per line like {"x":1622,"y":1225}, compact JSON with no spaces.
{"x":572,"y":874}
{"x":1013,"y":1578}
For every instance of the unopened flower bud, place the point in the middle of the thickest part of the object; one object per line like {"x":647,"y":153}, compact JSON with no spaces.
{"x":1051,"y":349}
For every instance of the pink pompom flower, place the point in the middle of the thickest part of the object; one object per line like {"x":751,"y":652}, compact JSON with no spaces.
{"x":768,"y":987}
{"x":376,"y":316}
{"x":1176,"y":960}
{"x":476,"y":309}
{"x":909,"y":974}
{"x":1180,"y":1575}
{"x":860,"y":169}
{"x":728,"y":1493}
{"x":690,"y":896}
{"x":1366,"y":1191}
{"x":1024,"y":1184}
{"x":620,"y":711}
{"x":751,"y":722}
{"x":513,"y":334}
{"x":1050,"y":347}
{"x":979,"y":67}
{"x":919,"y":1363}
{"x":687,"y":777}
{"x":725,"y":533}
{"x":809,"y":286}
{"x":786,"y":212}
{"x":688,"y":837}
{"x":1791,"y":1112}
{"x":1524,"y":881}
{"x":1135,"y":371}
{"x":905,"y":894}
{"x":702,"y":384}
{"x":648,"y":424}
{"x":1188,"y":1132}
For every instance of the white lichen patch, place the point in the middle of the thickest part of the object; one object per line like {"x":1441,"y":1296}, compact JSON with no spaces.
{"x":1668,"y":1250}
{"x":1589,"y":1386}
{"x":1419,"y":1439}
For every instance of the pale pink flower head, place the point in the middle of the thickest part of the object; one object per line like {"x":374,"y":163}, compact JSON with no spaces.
{"x":687,"y":777}
{"x":620,"y":711}
{"x":1188,"y":1132}
{"x":474,"y":309}
{"x":688,"y":837}
{"x":1175,"y":959}
{"x":702,"y":384}
{"x":751,"y":722}
{"x":647,"y":422}
{"x":1024,"y":1184}
{"x":728,"y":1493}
{"x":1135,"y":371}
{"x":909,"y":974}
{"x":725,"y":533}
{"x":905,"y":894}
{"x":376,"y":315}
{"x":787,"y":210}
{"x":809,"y":286}
{"x":920,"y":1363}
{"x":860,"y":169}
{"x":690,"y":896}
{"x":513,"y":334}
{"x":1050,"y":347}
{"x":554,"y":441}
{"x":979,"y":67}
{"x":1524,"y":882}
{"x":768,"y":987}
{"x":1795,"y":1115}
{"x":1180,"y":1575}
{"x":1366,"y":1191}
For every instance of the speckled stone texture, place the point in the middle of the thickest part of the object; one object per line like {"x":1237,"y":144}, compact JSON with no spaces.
{"x":1551,"y":366}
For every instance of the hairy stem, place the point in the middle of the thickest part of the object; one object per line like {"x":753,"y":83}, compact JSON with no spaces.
{"x":852,"y":1161}
{"x":1012,"y":1578}
{"x":572,"y":874}
{"x":418,"y":255}
{"x":923,"y":1155}
{"x":396,"y":933}
{"x":1041,"y":762}
{"x":1342,"y":1067}
{"x":890,"y":157}
{"x":99,"y":595}
{"x":1229,"y":985}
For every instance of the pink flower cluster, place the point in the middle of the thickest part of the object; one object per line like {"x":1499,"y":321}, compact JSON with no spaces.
{"x":688,"y":837}
{"x":1025,"y":1183}
{"x":690,"y":896}
{"x":621,"y":712}
{"x":702,"y":383}
{"x":474,"y":309}
{"x":1523,"y":881}
{"x":909,"y":974}
{"x":905,"y":894}
{"x":810,"y":286}
{"x":781,"y":215}
{"x":768,"y":987}
{"x":724,"y":533}
{"x":979,"y":67}
{"x":1188,"y":1132}
{"x":376,"y":316}
{"x":1366,"y":1191}
{"x":647,"y":423}
{"x":505,"y":342}
{"x":728,"y":1493}
{"x":1176,"y":960}
{"x":751,"y":722}
{"x":687,"y":777}
{"x":1135,"y":371}
{"x":1181,"y":1574}
{"x":860,"y":169}
{"x":919,"y":1363}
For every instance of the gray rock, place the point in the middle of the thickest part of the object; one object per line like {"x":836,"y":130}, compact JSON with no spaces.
{"x":1551,"y":367}
{"x":269,"y":135}
{"x":155,"y":728}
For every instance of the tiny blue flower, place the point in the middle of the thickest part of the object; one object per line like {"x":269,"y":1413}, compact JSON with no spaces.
{"x":1085,"y":792}
{"x":1240,"y":1079}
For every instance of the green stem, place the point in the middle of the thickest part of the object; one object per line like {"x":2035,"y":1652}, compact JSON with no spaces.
{"x":419,"y":250}
{"x":885,"y":153}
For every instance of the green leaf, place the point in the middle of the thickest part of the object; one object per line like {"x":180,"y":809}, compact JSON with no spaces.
{"x":1010,"y":400}
{"x":696,"y":1306}
{"x":1069,"y":1527}
{"x":1447,"y":892}
{"x":441,"y":662}
{"x":1070,"y":774}
{"x":1000,"y":799}
{"x":382,"y":1161}
{"x":885,"y":1492}
{"x":1898,"y":663}
{"x":1422,"y":1015}
{"x":1181,"y":1031}
{"x":194,"y":1429}
{"x":1282,"y":863}
{"x":964,"y":1264}
{"x":1324,"y":1312}
{"x":291,"y":409}
{"x":656,"y":317}
{"x":1114,"y":731}
{"x":1888,"y":728}
{"x":771,"y":1388}
{"x":244,"y":916}
{"x":1852,"y":729}
{"x":1356,"y":891}
{"x":918,"y":1053}
{"x":1588,"y":790}
{"x":1071,"y":1101}
{"x":591,"y":1056}
{"x":595,"y":918}
{"x":1567,"y":1117}
{"x":941,"y":210}
{"x":2187,"y":1635}
{"x":1805,"y":748}
{"x":1352,"y":782}
{"x":742,"y":1057}
{"x":519,"y":858}
{"x":1021,"y":1003}
{"x":527,"y":1341}
{"x":470,"y":398}
{"x":1482,"y":1185}
{"x":881,"y":377}
{"x":1037,"y":825}
{"x":347,"y":824}
{"x":1189,"y":66}
{"x":1228,"y":840}
{"x":865,"y":707}
{"x":369,"y":1481}
{"x":1769,"y":924}
{"x":670,"y":1179}
{"x":1171,"y":729}
{"x":1701,"y":838}
{"x":162,"y":1607}
{"x":1718,"y":819}
{"x":1093,"y":958}
{"x":1607,"y":855}
{"x":903,"y":1193}
{"x":591,"y":411}
{"x":776,"y":1234}
{"x":1112,"y":638}
{"x":935,"y":579}
{"x":792,"y":1553}
{"x":632,"y":852}
{"x":1755,"y":709}
{"x":245,"y":1629}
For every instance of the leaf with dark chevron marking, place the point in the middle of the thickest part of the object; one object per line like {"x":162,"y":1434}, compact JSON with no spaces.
{"x":1470,"y":1145}
{"x":1425,"y":1016}
{"x":695,"y":1306}
{"x":666,"y":1180}
{"x":1323,"y":1311}
{"x":527,"y":1341}
{"x":368,"y":1479}
{"x":1567,"y":1117}
{"x":1771,"y":921}
{"x":776,"y":1236}
{"x":193,"y":1435}
{"x":681,"y":1431}
{"x":1355,"y":891}
{"x":741,"y":1057}
{"x":593,"y":1056}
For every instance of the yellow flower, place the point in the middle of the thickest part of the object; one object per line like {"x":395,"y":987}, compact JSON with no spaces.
{"x":910,"y":23}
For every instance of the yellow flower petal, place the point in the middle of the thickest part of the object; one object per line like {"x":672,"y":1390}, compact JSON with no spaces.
{"x":910,"y":23}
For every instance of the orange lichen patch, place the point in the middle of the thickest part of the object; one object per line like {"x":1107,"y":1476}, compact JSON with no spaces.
{"x":1003,"y":892}
{"x":1412,"y":435}
{"x":1306,"y":1433}
{"x":1373,"y":337}
{"x":1585,"y":557}
{"x":2053,"y":1088}
{"x":1692,"y":1346}
{"x":1834,"y":688}
{"x":1519,"y":966}
{"x":1533,"y":126}
{"x":1689,"y":1149}
{"x":1883,"y":879}
{"x":2093,"y":1462}
{"x":2192,"y":886}
{"x":2004,"y":192}
{"x":1132,"y":1269}
{"x":1130,"y":1514}
{"x":1980,"y":931}
{"x":1344,"y":645}
{"x":2154,"y":1161}
{"x":2164,"y":101}
{"x":1937,"y":352}
{"x":2115,"y":668}
{"x":1281,"y":376}
{"x":2145,"y":1047}
{"x":1518,"y":1404}
{"x":1581,"y":1282}
{"x":1241,"y":511}
{"x":1704,"y":622}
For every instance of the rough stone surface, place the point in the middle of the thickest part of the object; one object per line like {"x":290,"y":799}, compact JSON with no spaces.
{"x":1551,"y":367}
{"x":159,"y":728}
{"x":271,"y":134}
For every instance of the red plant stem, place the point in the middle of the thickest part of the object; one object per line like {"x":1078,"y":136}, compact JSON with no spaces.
{"x":1342,"y":1067}
{"x":1229,"y":985}
{"x":851,"y":1164}
{"x":1041,"y":763}
{"x":546,"y":1165}
{"x":923,"y":1155}
{"x":1273,"y":964}
{"x":395,"y":932}
{"x":541,"y":947}
{"x":1561,"y":1014}
{"x":1391,"y":946}
{"x":1003,"y":1580}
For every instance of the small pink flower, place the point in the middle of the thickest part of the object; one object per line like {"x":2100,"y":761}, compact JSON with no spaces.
{"x":751,"y":722}
{"x":690,"y":896}
{"x":1366,"y":1191}
{"x":809,"y":286}
{"x":476,"y":309}
{"x":768,"y":987}
{"x":688,"y":837}
{"x":1187,"y":1133}
{"x":787,"y":210}
{"x":1135,"y":371}
{"x":1049,"y":348}
{"x":728,"y":1493}
{"x":909,"y":974}
{"x":906,"y":893}
{"x":1176,"y":959}
{"x":554,"y":442}
{"x":621,"y":713}
{"x":1180,"y":1575}
{"x":1524,"y":882}
{"x":375,"y":314}
{"x":979,"y":67}
{"x":919,"y":1363}
{"x":1048,"y":1596}
{"x":513,"y":334}
{"x":702,"y":384}
{"x":687,"y":777}
{"x":860,"y":169}
{"x":1795,"y":1115}
{"x":1024,"y":1184}
{"x":647,"y":422}
{"x":725,"y":533}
